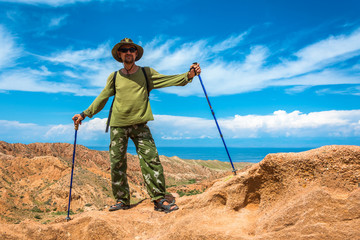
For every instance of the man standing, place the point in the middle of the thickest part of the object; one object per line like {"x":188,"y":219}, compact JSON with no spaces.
{"x":130,"y":113}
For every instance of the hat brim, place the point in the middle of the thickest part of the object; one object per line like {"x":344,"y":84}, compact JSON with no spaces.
{"x":114,"y":51}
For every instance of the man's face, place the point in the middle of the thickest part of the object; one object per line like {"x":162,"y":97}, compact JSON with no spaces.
{"x":127,"y":56}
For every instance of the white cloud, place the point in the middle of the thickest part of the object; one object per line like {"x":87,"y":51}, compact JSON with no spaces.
{"x":280,"y":124}
{"x":29,"y":79}
{"x":53,"y":3}
{"x":330,"y":49}
{"x":297,"y":124}
{"x":347,"y":91}
{"x":296,"y":89}
{"x":16,"y":124}
{"x":57,"y":21}
{"x":13,"y":15}
{"x":309,"y":66}
{"x":82,"y":57}
{"x":9,"y":50}
{"x":84,"y":66}
{"x":92,"y":129}
{"x":33,"y":80}
{"x":171,"y":55}
{"x":91,"y":66}
{"x":85,"y":70}
{"x":324,"y":77}
{"x":229,"y":43}
{"x":29,"y":132}
{"x":169,"y":59}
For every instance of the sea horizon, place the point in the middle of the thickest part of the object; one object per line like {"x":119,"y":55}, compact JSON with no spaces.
{"x":237,"y":154}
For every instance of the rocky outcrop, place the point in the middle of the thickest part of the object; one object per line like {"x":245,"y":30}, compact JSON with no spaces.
{"x":309,"y":195}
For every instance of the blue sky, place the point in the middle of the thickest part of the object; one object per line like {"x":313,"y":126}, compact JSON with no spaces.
{"x":278,"y":73}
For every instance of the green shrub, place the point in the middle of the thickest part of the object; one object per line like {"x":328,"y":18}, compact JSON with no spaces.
{"x":62,"y":213}
{"x":181,"y":193}
{"x":189,"y":193}
{"x":191,"y":181}
{"x":36,"y":209}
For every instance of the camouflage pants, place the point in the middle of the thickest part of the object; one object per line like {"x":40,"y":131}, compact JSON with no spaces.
{"x":151,"y":167}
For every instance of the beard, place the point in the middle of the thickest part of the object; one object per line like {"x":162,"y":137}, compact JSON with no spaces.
{"x":129,"y":59}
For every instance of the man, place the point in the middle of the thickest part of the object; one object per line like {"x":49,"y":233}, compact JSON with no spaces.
{"x":130,"y":113}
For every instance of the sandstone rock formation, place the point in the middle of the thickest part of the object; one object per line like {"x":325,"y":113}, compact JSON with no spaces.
{"x":308,"y":195}
{"x":35,"y":178}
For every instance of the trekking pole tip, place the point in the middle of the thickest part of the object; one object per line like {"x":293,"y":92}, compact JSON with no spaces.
{"x":68,"y":218}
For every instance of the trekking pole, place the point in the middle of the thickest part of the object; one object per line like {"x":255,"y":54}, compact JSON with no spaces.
{"x":72,"y":171}
{"x":217,"y":125}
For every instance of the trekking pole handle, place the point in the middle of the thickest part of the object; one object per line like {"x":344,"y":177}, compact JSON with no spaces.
{"x":194,"y":69}
{"x":76,"y":124}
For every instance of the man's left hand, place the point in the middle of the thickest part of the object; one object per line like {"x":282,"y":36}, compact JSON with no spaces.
{"x":194,"y":70}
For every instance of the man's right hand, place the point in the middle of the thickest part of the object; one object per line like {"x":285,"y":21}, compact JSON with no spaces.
{"x":77,"y":119}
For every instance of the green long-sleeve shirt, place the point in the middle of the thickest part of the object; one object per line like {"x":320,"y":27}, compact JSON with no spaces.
{"x":132,"y":105}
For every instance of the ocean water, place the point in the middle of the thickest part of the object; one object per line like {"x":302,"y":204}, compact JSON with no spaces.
{"x":252,"y":155}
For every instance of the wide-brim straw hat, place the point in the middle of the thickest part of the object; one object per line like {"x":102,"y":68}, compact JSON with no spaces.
{"x":127,"y":41}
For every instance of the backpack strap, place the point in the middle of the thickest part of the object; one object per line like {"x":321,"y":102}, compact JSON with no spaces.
{"x":147,"y":81}
{"x":110,"y":111}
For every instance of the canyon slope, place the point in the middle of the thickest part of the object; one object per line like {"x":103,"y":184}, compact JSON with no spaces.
{"x":35,"y":179}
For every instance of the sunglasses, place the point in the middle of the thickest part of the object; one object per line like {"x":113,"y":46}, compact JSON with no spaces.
{"x":125,"y":50}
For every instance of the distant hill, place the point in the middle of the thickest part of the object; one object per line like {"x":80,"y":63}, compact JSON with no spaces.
{"x":35,"y":179}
